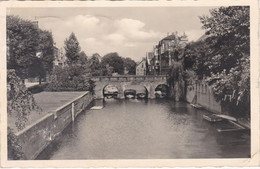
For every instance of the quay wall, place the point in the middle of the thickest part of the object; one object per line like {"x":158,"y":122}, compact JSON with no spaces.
{"x":205,"y":97}
{"x":37,"y":136}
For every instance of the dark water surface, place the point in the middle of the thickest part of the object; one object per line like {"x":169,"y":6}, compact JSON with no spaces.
{"x":152,"y":129}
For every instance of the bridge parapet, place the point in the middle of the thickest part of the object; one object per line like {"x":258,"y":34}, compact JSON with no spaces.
{"x":129,"y":78}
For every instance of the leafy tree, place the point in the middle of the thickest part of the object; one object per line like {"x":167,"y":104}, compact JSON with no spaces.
{"x":94,"y":65}
{"x":225,"y":54}
{"x":72,"y":48}
{"x":20,"y":103}
{"x":37,"y":69}
{"x":83,"y":58}
{"x":130,"y":65}
{"x":228,"y":31}
{"x":115,"y":61}
{"x":22,"y":42}
{"x":46,"y":47}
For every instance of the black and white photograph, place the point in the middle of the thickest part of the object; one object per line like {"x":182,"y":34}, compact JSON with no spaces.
{"x":137,"y":82}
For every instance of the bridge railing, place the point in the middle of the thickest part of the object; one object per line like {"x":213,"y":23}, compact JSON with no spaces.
{"x":128,"y":78}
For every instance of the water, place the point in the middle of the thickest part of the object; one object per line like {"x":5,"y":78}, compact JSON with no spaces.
{"x":153,"y":129}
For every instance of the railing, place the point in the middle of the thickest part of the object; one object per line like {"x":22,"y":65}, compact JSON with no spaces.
{"x":128,"y":78}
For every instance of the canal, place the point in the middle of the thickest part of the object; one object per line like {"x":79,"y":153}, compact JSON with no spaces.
{"x":145,"y":129}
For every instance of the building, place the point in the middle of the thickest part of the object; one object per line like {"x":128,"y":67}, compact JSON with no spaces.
{"x":168,"y":50}
{"x":141,"y":68}
{"x":59,"y":57}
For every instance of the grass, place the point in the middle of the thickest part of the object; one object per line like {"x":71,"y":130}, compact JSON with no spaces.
{"x":47,"y":101}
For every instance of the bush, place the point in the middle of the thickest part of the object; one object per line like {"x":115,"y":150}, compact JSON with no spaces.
{"x":37,"y":88}
{"x":70,"y":78}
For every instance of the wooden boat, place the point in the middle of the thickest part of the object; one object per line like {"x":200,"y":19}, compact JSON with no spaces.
{"x":235,"y":127}
{"x":194,"y":103}
{"x":197,"y":106}
{"x":141,"y":95}
{"x":96,"y":108}
{"x":130,"y":93}
{"x":212,"y":118}
{"x":226,"y":117}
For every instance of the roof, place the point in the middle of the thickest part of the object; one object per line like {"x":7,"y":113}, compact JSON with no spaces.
{"x":140,"y":62}
{"x":170,"y":37}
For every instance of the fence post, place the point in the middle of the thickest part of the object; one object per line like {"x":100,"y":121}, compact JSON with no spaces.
{"x":72,"y":112}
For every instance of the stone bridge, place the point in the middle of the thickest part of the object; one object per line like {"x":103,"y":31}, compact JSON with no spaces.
{"x":149,"y":82}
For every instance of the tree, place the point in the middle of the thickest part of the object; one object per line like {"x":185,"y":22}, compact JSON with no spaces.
{"x":72,"y":49}
{"x":228,"y":35}
{"x":20,"y":103}
{"x":22,"y":42}
{"x":83,"y":58}
{"x":115,"y":61}
{"x":46,"y":48}
{"x":130,"y":65}
{"x":228,"y":40}
{"x":94,"y":67}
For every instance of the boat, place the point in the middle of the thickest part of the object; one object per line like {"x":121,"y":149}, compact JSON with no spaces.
{"x":212,"y":118}
{"x":233,"y":128}
{"x":194,"y":103}
{"x":96,"y":108}
{"x":110,"y":90}
{"x":130,"y":93}
{"x":226,"y":117}
{"x":141,"y":95}
{"x":160,"y":94}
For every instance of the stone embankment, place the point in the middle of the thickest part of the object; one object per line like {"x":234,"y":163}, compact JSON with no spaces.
{"x":38,"y":135}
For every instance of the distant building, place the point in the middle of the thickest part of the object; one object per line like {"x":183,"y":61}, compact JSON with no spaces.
{"x":59,"y":57}
{"x":169,"y":49}
{"x":141,"y":68}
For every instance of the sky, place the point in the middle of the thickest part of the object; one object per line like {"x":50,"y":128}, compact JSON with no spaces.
{"x":129,"y":31}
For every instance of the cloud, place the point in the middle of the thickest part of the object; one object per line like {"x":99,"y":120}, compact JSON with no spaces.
{"x":135,"y":29}
{"x":115,"y":38}
{"x":128,"y":37}
{"x":194,"y":35}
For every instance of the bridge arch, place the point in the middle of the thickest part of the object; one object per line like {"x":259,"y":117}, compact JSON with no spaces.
{"x":120,"y":82}
{"x":162,"y":90}
{"x":110,"y":90}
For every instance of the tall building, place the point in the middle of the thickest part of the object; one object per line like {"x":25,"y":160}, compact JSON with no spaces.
{"x":169,"y":49}
{"x":59,"y":57}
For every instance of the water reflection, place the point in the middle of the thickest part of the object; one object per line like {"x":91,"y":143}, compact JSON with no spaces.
{"x":144,"y":129}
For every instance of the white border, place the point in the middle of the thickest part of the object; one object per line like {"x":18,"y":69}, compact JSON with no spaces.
{"x":253,"y":161}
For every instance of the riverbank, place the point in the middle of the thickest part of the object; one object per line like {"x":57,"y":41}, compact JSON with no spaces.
{"x":47,"y":101}
{"x":44,"y":129}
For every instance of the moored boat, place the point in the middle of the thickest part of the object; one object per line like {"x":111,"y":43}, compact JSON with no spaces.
{"x":212,"y":118}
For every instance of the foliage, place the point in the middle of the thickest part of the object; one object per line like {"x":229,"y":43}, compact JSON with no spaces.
{"x":115,"y":61}
{"x":72,"y":48}
{"x":46,"y":47}
{"x":228,"y":31}
{"x":130,"y":65}
{"x":223,"y":55}
{"x":94,"y":67}
{"x":176,"y":80}
{"x":20,"y":101}
{"x":14,"y":148}
{"x":70,"y":78}
{"x":22,"y":40}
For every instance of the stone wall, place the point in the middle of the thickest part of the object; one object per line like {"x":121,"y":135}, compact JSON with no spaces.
{"x":205,"y":96}
{"x":39,"y":135}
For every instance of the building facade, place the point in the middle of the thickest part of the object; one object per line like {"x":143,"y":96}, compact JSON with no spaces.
{"x":167,"y":50}
{"x":59,"y":57}
{"x":141,"y":68}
